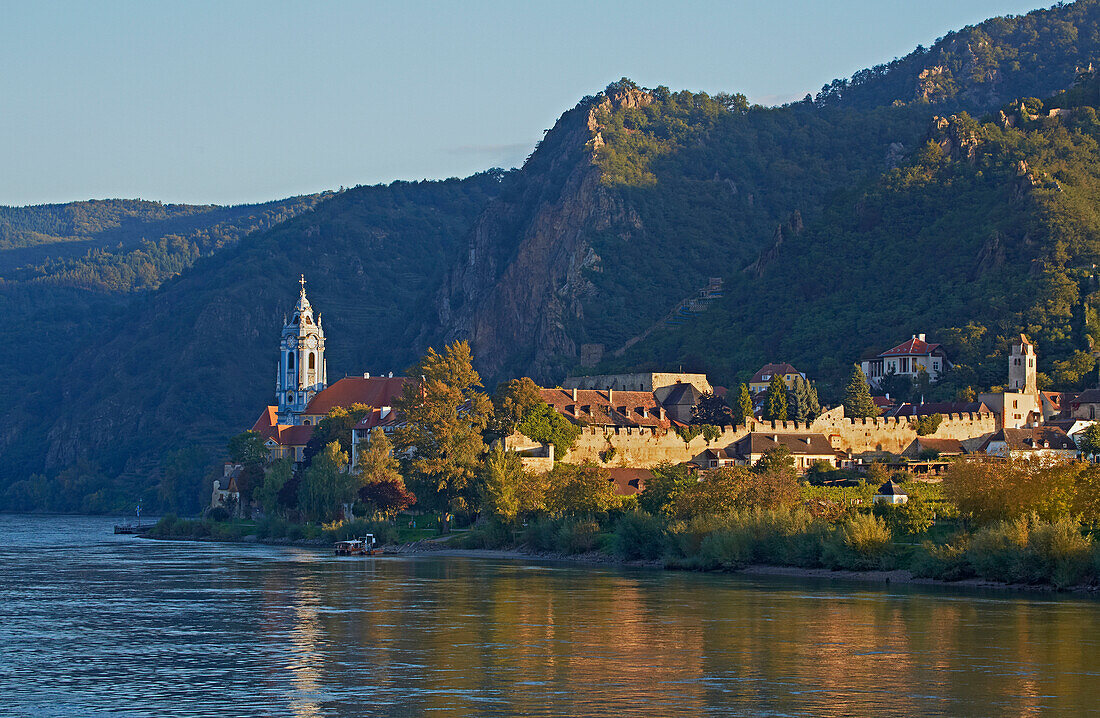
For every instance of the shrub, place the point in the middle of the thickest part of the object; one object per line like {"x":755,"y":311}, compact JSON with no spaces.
{"x":1029,"y":550}
{"x":947,"y":562}
{"x":540,"y":534}
{"x":638,"y":535}
{"x":218,"y":513}
{"x":861,"y":543}
{"x":577,"y":536}
{"x":491,"y":534}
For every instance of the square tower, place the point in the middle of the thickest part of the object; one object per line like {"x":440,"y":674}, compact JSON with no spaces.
{"x":1022,"y":367}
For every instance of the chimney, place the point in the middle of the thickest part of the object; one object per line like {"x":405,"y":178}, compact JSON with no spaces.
{"x":921,"y":337}
{"x":808,"y":441}
{"x":609,"y":399}
{"x":390,"y":375}
{"x":574,"y":393}
{"x":366,"y":375}
{"x":384,"y":412}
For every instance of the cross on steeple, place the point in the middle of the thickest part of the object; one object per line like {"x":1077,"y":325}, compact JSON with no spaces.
{"x":302,"y":281}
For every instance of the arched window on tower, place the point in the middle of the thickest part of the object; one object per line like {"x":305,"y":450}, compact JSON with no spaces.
{"x":312,"y":361}
{"x":289,"y":362}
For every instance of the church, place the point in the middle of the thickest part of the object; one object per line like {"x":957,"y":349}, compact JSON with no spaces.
{"x":302,"y":392}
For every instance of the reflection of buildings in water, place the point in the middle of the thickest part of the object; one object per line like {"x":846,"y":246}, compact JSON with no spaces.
{"x":305,"y":639}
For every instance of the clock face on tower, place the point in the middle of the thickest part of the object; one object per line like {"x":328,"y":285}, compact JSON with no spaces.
{"x":312,"y":342}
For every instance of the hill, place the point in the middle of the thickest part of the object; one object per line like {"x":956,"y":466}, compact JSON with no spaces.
{"x":933,"y":194}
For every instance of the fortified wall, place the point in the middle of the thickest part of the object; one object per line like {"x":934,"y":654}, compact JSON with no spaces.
{"x":646,"y":447}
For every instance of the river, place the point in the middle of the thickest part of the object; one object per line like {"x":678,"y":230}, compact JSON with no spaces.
{"x":97,"y":624}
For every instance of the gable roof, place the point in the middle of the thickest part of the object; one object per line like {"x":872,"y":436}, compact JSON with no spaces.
{"x":373,"y":391}
{"x":1033,"y":439}
{"x":1089,"y":396}
{"x":265,"y":425}
{"x":772,"y":369}
{"x":890,"y":489}
{"x":592,"y":406}
{"x":914,"y":347}
{"x":375,"y":419}
{"x":629,"y":481}
{"x":292,"y":435}
{"x":943,"y":446}
{"x":757,"y":442}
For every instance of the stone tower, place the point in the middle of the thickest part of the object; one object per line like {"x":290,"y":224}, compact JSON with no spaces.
{"x":301,"y":372}
{"x":1022,"y":368}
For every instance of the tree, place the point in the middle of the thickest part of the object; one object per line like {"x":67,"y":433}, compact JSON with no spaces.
{"x":713,"y":410}
{"x":336,"y":426}
{"x":501,"y":482}
{"x":857,"y":398}
{"x":513,"y":401}
{"x":326,"y":486}
{"x":743,"y":409}
{"x":1088,"y":441}
{"x":445,"y":415}
{"x":927,"y":425}
{"x":545,"y":425}
{"x":388,"y":497}
{"x":775,"y":401}
{"x":247,"y":448}
{"x":802,"y":403}
{"x":988,"y":489}
{"x":275,"y":478}
{"x":580,"y":490}
{"x":667,"y":480}
{"x":376,"y":459}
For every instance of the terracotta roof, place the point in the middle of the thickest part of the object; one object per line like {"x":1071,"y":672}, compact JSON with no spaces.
{"x":883,"y":402}
{"x":375,"y":391}
{"x":592,"y":406}
{"x":941,"y":407}
{"x":375,"y":419}
{"x":913,"y":347}
{"x":265,"y":425}
{"x":757,"y":442}
{"x":1033,"y":438}
{"x":1060,"y":399}
{"x":771,"y":369}
{"x":629,"y":481}
{"x":293,"y":435}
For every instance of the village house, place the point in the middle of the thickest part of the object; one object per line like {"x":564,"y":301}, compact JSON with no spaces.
{"x":630,"y":411}
{"x":890,"y":493}
{"x":1039,"y":442}
{"x":677,"y":392}
{"x":806,"y":449}
{"x":907,"y":359}
{"x":1085,"y":405}
{"x":926,"y":447}
{"x":762,"y":378}
{"x":225,"y":493}
{"x":1020,"y":404}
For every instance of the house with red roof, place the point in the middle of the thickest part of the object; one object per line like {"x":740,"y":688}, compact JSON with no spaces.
{"x":907,"y":359}
{"x":762,"y":378}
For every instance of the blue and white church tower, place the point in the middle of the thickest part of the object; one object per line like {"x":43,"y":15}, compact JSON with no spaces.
{"x":302,"y":372}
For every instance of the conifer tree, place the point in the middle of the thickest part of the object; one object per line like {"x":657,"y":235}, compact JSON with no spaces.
{"x":800,"y":402}
{"x":742,"y":410}
{"x":857,"y":399}
{"x":775,"y":402}
{"x":815,"y":403}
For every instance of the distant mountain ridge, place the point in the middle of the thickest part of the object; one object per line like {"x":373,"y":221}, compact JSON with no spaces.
{"x":877,"y":209}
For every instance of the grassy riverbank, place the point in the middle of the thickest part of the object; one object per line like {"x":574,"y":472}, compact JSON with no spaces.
{"x":280,"y":530}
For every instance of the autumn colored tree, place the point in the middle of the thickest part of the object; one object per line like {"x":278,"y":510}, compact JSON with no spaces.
{"x":501,"y":483}
{"x":326,"y":486}
{"x":513,"y":400}
{"x":381,"y":485}
{"x":580,"y":490}
{"x":988,"y":489}
{"x":336,"y":426}
{"x":445,"y":415}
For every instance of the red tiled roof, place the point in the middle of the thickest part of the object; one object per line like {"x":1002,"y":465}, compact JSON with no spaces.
{"x":629,"y":481}
{"x":771,"y":369}
{"x":592,"y":406}
{"x":1032,"y":438}
{"x":758,"y":442}
{"x":944,"y":446}
{"x":293,"y":435}
{"x":265,"y":425}
{"x":913,"y":347}
{"x":375,"y":419}
{"x":375,"y":391}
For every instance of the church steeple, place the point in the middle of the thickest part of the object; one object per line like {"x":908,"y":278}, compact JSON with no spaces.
{"x":302,"y":371}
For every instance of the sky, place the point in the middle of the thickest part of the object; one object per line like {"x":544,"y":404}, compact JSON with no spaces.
{"x":247,"y":101}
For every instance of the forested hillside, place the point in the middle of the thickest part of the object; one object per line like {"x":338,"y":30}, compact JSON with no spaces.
{"x":933,"y":194}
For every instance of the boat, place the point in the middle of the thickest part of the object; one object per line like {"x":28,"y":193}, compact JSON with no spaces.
{"x":135,"y":528}
{"x":362,"y":546}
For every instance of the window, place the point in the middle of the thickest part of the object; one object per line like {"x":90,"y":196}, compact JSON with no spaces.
{"x":312,"y":360}
{"x":289,"y":362}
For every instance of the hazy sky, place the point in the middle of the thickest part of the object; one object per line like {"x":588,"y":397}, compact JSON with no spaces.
{"x":230,"y":102}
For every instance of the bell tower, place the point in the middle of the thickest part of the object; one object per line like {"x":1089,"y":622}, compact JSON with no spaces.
{"x":301,"y":372}
{"x":1022,"y":368}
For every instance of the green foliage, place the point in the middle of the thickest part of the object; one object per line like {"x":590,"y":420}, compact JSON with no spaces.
{"x":247,"y":448}
{"x":862,"y":542}
{"x":513,"y":401}
{"x":580,"y":490}
{"x":545,"y":425}
{"x":857,"y":397}
{"x":638,"y":536}
{"x":501,"y":483}
{"x":802,"y":401}
{"x":1088,"y":441}
{"x":276,"y":476}
{"x":775,"y":400}
{"x":913,"y":517}
{"x":927,"y":425}
{"x":326,"y":486}
{"x":445,"y":415}
{"x":712,"y":410}
{"x":689,"y":432}
{"x":743,"y":409}
{"x":987,"y":490}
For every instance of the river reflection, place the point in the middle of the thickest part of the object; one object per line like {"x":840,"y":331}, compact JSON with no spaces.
{"x":95,"y":624}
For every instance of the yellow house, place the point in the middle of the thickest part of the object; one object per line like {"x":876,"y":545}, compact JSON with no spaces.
{"x":762,"y":378}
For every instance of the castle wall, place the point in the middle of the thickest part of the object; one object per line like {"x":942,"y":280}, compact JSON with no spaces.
{"x":649,"y":381}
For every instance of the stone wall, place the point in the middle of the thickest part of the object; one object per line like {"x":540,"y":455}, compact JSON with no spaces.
{"x":646,"y":447}
{"x":647,"y":381}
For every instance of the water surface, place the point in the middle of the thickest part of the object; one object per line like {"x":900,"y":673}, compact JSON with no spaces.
{"x":94,"y":624}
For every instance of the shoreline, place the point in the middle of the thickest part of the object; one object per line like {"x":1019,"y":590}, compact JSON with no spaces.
{"x":440,"y":549}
